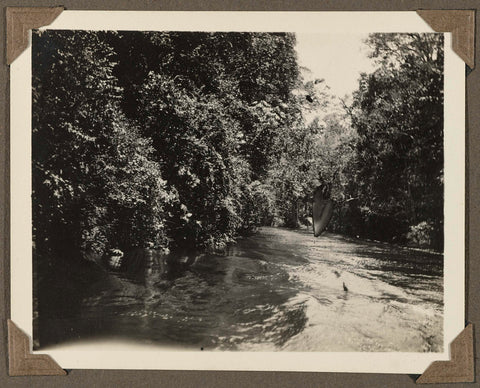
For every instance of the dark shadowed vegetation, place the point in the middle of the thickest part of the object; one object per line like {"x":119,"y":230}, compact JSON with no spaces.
{"x":395,"y":178}
{"x":172,"y":140}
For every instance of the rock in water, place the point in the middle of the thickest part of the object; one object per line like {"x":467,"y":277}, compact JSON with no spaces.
{"x":114,"y":258}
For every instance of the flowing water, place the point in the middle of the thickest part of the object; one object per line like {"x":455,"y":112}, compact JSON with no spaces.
{"x":277,"y":290}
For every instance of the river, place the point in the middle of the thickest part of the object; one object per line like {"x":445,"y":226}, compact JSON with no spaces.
{"x":276,"y":290}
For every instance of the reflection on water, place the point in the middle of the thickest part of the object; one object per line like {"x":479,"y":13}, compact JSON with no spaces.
{"x":277,"y":290}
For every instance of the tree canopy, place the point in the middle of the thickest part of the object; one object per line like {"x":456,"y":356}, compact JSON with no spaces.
{"x":155,"y":138}
{"x":180,"y":139}
{"x":397,"y":113}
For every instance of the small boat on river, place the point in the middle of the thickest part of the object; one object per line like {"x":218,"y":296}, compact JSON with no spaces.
{"x":322,"y":210}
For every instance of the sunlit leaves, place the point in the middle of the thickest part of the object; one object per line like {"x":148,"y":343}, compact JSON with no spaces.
{"x":94,"y":182}
{"x":159,"y":138}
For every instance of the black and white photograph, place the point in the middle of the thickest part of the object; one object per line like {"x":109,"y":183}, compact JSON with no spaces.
{"x":238,"y":191}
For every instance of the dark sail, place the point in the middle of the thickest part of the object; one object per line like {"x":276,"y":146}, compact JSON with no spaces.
{"x":322,"y":211}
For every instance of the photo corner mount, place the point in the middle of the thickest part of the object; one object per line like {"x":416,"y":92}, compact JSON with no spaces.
{"x":460,"y":368}
{"x":22,"y":362}
{"x":22,"y":19}
{"x":461,"y":23}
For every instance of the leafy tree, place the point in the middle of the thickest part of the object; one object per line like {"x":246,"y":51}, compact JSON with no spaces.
{"x":213,"y":105}
{"x":398,"y":115}
{"x":94,"y":185}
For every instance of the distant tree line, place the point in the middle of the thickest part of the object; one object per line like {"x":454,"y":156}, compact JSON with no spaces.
{"x":177,"y":139}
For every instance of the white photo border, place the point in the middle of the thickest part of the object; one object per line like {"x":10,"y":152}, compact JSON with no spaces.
{"x":115,"y":355}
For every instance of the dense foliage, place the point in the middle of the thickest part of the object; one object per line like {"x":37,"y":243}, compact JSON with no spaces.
{"x":396,"y":176}
{"x":184,"y":139}
{"x":94,"y":180}
{"x":156,"y":139}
